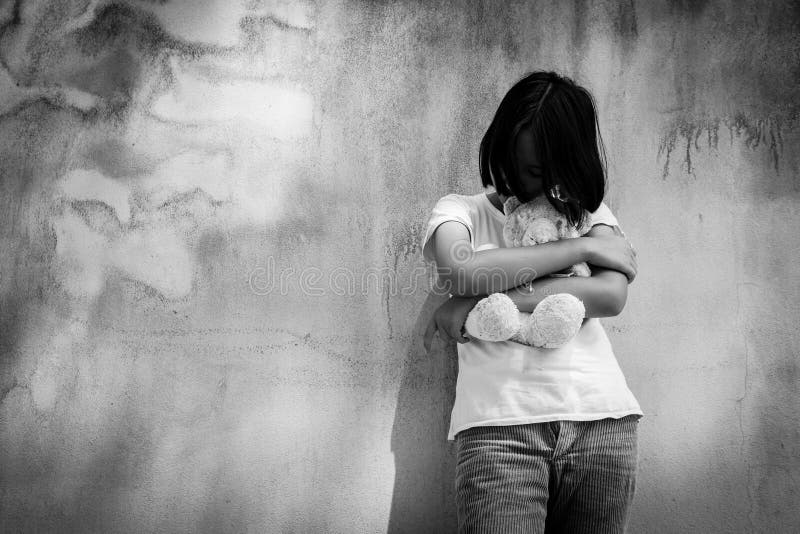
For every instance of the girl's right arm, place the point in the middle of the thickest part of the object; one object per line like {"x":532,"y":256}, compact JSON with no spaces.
{"x":470,"y":273}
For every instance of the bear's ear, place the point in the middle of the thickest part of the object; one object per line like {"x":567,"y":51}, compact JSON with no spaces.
{"x":510,"y":205}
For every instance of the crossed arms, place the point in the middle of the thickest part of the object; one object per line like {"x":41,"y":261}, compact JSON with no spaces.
{"x":474,"y":274}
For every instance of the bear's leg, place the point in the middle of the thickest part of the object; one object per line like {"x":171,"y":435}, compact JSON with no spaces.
{"x":555,"y":321}
{"x":494,"y":318}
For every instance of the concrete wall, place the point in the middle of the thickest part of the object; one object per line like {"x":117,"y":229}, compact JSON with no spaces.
{"x":212,"y":288}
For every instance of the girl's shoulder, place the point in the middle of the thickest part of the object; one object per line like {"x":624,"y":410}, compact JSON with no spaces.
{"x":476,"y":203}
{"x":463,"y":198}
{"x":603,"y":215}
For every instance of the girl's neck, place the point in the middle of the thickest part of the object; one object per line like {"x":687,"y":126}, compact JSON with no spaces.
{"x":496,"y":199}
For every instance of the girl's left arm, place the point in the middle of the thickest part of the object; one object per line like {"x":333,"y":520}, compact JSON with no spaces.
{"x":603,"y":294}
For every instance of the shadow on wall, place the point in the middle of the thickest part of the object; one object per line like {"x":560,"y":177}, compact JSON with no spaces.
{"x":423,"y":499}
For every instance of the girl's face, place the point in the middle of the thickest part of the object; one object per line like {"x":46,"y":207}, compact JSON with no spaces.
{"x":529,"y":167}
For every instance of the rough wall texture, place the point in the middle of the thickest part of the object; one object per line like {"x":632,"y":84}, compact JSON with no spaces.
{"x":212,"y":288}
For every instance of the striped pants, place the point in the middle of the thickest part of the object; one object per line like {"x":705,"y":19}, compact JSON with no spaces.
{"x":555,"y":477}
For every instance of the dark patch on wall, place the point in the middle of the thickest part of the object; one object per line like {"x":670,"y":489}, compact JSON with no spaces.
{"x":108,"y":468}
{"x":735,"y":60}
{"x":580,"y":29}
{"x":261,"y":34}
{"x":295,"y":230}
{"x":116,"y":25}
{"x":25,"y":178}
{"x":111,"y":53}
{"x":107,"y":57}
{"x":626,"y":26}
{"x":13,"y":316}
{"x":777,"y":59}
{"x":733,"y":69}
{"x":584,"y":19}
{"x":310,"y":214}
{"x":195,"y":205}
{"x":403,"y":241}
{"x":262,"y":21}
{"x":37,"y":110}
{"x":112,"y":78}
{"x":115,"y":159}
{"x":16,"y":18}
{"x":624,"y":21}
{"x":212,"y":248}
{"x":687,"y":134}
{"x":488,"y":29}
{"x":98,"y":216}
{"x":766,"y":132}
{"x":691,"y":136}
{"x":34,"y":125}
{"x":692,"y":7}
{"x":436,"y":31}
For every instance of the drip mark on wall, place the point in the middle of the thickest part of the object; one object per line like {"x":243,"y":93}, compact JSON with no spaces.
{"x":685,"y":136}
{"x":403,"y":242}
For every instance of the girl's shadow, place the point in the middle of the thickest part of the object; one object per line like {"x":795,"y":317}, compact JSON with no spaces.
{"x":423,"y":499}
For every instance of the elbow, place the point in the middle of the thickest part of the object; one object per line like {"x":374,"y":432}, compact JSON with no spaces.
{"x":612,"y":292}
{"x":615,"y":301}
{"x":614,"y":307}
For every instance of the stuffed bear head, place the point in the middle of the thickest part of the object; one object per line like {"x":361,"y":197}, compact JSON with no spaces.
{"x":536,"y":222}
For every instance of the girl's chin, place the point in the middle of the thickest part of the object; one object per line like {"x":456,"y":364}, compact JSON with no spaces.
{"x":538,"y":194}
{"x":534,"y":196}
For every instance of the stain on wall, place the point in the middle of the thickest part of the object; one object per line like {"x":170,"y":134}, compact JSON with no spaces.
{"x":211,"y":290}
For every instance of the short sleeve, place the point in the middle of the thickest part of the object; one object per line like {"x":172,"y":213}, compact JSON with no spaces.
{"x":449,"y":208}
{"x":603,"y":215}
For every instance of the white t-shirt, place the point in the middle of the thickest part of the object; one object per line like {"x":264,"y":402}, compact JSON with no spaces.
{"x":507,"y":383}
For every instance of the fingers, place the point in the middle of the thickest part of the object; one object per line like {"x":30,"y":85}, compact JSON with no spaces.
{"x":433,"y":328}
{"x":618,"y":231}
{"x":633,"y":271}
{"x":630,"y":270}
{"x":463,"y":337}
{"x":633,"y":249}
{"x":634,"y":264}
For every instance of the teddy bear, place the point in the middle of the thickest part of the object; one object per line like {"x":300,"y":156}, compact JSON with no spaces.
{"x":558,"y":317}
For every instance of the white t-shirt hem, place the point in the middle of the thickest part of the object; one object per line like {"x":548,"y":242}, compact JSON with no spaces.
{"x":544,"y":419}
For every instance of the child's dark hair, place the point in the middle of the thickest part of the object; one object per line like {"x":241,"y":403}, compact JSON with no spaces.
{"x":563,"y":120}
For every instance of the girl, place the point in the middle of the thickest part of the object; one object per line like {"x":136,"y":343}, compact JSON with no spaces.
{"x":545,"y":438}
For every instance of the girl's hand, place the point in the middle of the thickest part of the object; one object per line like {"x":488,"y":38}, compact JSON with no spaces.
{"x":449,"y":319}
{"x":612,"y":252}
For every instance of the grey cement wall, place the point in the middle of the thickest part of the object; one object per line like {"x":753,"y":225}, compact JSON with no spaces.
{"x":212,"y":289}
